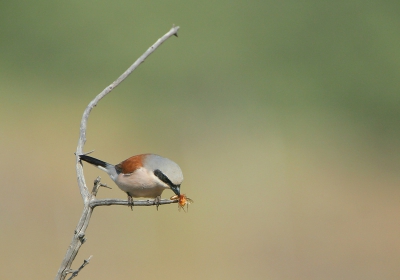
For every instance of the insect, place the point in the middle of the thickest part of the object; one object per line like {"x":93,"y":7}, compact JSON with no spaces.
{"x":182,"y":201}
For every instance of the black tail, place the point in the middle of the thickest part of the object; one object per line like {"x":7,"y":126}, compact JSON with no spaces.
{"x":93,"y":161}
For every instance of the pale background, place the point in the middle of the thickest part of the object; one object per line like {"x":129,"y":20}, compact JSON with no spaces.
{"x":284,"y":116}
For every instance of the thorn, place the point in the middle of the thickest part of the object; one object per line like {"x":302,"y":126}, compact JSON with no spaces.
{"x":84,"y":154}
{"x":105,"y":186}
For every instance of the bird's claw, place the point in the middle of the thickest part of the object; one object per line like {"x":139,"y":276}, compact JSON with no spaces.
{"x":157,"y":201}
{"x":130,"y":201}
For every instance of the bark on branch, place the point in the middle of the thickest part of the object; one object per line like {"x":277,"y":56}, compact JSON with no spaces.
{"x":89,"y":198}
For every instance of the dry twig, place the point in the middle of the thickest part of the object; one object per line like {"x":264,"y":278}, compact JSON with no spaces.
{"x":89,"y":198}
{"x":76,"y":272}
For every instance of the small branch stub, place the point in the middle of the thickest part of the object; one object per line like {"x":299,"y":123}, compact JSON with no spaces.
{"x":76,"y":272}
{"x":97,"y":184}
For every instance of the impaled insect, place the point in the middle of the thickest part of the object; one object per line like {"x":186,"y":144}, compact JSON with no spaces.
{"x":182,"y":201}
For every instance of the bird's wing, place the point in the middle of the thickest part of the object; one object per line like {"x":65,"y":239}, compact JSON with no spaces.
{"x":129,"y":165}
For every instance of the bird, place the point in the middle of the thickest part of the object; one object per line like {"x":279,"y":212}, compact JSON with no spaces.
{"x":144,"y":175}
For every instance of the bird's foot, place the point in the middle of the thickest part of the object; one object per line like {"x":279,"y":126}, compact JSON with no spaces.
{"x":130,"y":201}
{"x":157,"y":201}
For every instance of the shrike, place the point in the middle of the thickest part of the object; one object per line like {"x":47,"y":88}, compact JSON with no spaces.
{"x":146,"y":175}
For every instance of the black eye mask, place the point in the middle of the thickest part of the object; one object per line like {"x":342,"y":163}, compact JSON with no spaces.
{"x":162,"y":177}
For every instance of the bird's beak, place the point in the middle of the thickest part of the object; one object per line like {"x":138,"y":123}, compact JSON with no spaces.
{"x":176,"y":189}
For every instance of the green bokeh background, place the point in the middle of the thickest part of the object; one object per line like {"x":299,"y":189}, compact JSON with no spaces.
{"x":284,"y":116}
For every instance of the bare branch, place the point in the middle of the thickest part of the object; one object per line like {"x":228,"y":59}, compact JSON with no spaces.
{"x":107,"y":202}
{"x":89,"y":199}
{"x":82,"y":138}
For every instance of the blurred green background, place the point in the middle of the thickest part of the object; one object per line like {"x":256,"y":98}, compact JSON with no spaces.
{"x":283,"y":115}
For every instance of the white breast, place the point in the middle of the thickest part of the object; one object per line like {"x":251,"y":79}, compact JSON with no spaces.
{"x":141,"y":183}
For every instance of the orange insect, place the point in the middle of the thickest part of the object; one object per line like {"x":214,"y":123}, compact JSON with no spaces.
{"x":182,"y":201}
